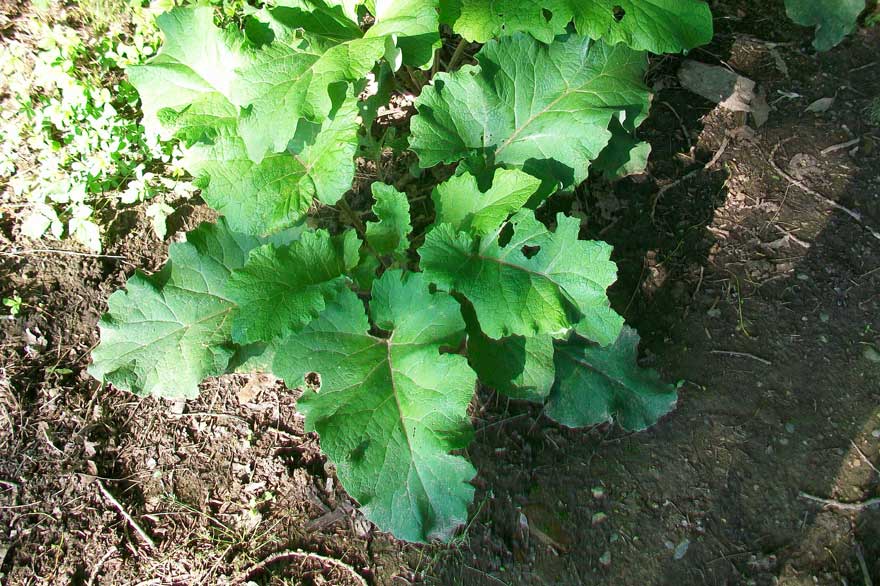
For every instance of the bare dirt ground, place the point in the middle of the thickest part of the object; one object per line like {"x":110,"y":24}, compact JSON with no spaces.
{"x":746,"y":283}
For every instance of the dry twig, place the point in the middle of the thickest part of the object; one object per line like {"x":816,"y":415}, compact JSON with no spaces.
{"x":134,"y":525}
{"x":860,"y":506}
{"x":298,"y":554}
{"x":97,"y":569}
{"x":742,"y":355}
{"x":690,"y":175}
{"x":809,"y":190}
{"x":864,"y":457}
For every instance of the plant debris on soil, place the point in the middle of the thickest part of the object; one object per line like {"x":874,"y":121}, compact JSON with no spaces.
{"x":740,"y":266}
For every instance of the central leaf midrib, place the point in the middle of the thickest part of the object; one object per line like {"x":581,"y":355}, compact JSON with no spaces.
{"x":569,"y":91}
{"x":389,"y":343}
{"x":585,"y":363}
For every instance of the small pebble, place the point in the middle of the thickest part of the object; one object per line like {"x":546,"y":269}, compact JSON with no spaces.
{"x":789,"y":427}
{"x":681,"y":549}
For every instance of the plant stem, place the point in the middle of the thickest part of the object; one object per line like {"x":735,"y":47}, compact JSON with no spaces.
{"x":361,"y":229}
{"x":459,"y":53}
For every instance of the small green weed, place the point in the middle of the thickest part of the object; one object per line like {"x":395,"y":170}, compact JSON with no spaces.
{"x":13,"y":303}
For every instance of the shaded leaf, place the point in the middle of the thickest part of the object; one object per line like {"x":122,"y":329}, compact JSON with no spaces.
{"x":519,"y":367}
{"x":597,"y":385}
{"x":389,"y":235}
{"x":833,"y":19}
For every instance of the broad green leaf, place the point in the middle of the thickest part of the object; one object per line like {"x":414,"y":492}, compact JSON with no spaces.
{"x":164,"y":333}
{"x":199,"y":122}
{"x":484,"y":20}
{"x":602,"y":325}
{"x":597,"y":385}
{"x":389,"y":235}
{"x":660,"y":26}
{"x":295,"y":77}
{"x":390,"y":410}
{"x":460,"y":203}
{"x":276,"y":193}
{"x":281,"y":289}
{"x":197,"y":61}
{"x":288,"y":80}
{"x":519,"y":367}
{"x":833,"y":19}
{"x":324,"y":23}
{"x":537,"y":283}
{"x":542,"y":108}
{"x":412,"y":25}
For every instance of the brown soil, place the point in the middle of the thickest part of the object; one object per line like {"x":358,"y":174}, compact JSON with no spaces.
{"x":763,"y":299}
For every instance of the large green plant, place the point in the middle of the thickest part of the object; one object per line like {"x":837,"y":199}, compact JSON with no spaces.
{"x":398,"y":326}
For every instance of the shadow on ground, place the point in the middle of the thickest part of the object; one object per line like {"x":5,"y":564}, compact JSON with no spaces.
{"x":765,"y":300}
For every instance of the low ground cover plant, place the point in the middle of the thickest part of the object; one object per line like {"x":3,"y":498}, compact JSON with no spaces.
{"x":388,"y":322}
{"x":70,"y":141}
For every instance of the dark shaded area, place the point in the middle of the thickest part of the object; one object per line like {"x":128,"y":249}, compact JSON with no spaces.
{"x":764,"y":300}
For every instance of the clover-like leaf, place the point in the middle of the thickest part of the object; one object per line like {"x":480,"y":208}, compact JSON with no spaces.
{"x":274,"y":194}
{"x":460,"y":203}
{"x":833,"y":19}
{"x":281,"y":289}
{"x":597,"y":385}
{"x":535,"y":282}
{"x":519,"y":367}
{"x":164,"y":333}
{"x":390,"y":409}
{"x":660,"y":26}
{"x":543,"y":108}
